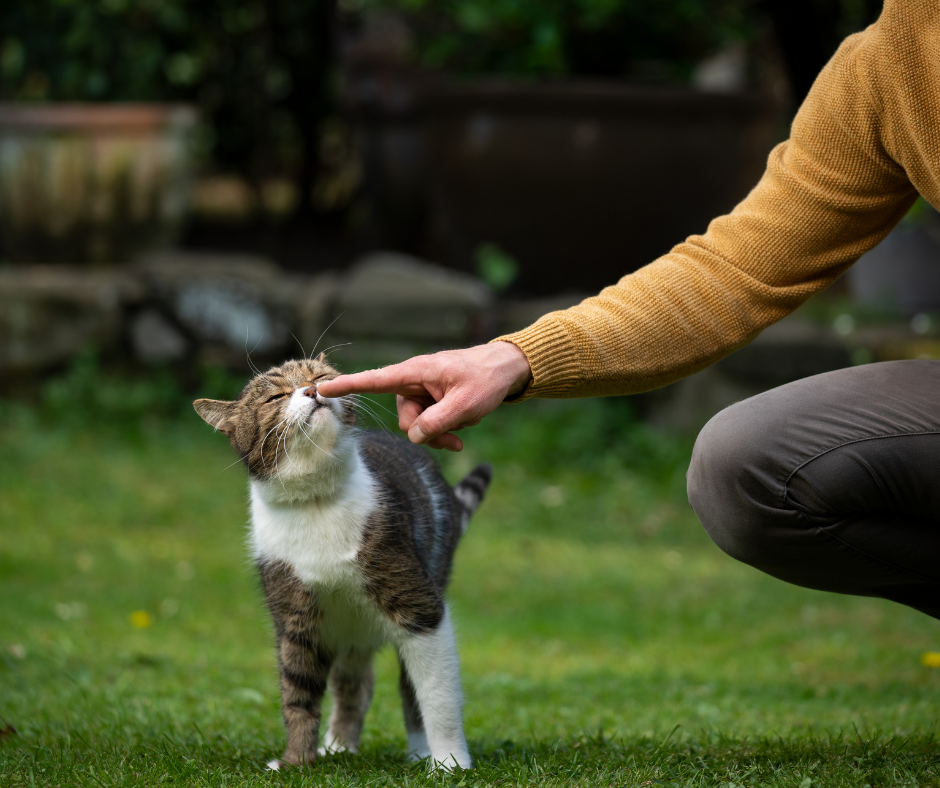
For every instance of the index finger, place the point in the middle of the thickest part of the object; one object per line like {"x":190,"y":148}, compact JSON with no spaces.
{"x":390,"y":380}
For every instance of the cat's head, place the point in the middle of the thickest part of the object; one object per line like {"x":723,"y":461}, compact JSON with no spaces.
{"x":279,"y":425}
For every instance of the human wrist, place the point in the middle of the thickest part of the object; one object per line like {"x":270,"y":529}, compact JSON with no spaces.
{"x":515,"y":364}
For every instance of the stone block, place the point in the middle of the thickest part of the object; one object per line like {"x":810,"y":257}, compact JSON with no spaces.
{"x":234,"y":304}
{"x":155,"y":339}
{"x":49,"y":313}
{"x":394,"y":296}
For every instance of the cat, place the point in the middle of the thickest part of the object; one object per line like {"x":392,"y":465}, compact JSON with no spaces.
{"x":354,"y":534}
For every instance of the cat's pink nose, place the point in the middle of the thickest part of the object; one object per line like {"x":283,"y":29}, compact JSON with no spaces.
{"x":311,"y":391}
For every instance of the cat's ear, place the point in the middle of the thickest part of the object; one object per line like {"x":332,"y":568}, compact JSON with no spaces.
{"x":321,"y":359}
{"x":217,"y":414}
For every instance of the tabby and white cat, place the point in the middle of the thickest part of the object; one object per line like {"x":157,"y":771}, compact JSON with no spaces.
{"x":354,"y":533}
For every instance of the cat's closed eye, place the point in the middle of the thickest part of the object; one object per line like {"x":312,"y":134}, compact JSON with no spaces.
{"x":275,"y":396}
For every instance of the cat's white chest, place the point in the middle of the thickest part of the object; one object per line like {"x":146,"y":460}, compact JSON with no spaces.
{"x":319,"y":539}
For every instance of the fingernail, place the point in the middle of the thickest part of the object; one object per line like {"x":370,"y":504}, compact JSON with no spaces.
{"x":416,"y":434}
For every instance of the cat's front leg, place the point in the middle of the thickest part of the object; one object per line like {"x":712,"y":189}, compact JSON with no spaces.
{"x":430,"y":659}
{"x":304,"y":669}
{"x":304,"y":663}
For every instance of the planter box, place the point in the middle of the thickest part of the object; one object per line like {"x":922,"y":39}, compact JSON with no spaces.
{"x":91,"y":184}
{"x":585,"y":182}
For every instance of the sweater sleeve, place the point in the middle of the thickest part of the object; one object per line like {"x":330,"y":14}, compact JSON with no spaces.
{"x":829,"y":194}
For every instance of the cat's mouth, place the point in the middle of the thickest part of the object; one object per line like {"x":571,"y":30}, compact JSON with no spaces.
{"x":315,"y":407}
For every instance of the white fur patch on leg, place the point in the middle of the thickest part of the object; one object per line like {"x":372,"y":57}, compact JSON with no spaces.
{"x":333,"y":745}
{"x":432,"y":664}
{"x":418,"y":748}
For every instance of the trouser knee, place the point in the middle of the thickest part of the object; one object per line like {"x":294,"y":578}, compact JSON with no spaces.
{"x":829,"y":482}
{"x":729,"y":490}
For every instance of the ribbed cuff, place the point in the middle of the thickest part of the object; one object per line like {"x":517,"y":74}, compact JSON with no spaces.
{"x":554,"y":360}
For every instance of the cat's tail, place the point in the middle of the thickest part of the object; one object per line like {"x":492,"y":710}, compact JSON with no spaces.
{"x":471,"y":490}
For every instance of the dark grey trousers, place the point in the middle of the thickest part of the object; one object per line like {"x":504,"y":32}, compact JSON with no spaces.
{"x":832,"y":482}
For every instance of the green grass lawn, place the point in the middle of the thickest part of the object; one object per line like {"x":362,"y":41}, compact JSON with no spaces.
{"x":604,"y":639}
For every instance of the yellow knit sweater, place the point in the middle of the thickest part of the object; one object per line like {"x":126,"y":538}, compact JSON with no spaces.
{"x":864,"y":143}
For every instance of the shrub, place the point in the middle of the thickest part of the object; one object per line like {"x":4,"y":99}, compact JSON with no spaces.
{"x":613,"y":38}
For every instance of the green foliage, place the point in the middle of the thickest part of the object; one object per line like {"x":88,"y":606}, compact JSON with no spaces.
{"x":584,"y":435}
{"x":495,"y":267}
{"x":921,"y":215}
{"x":258,"y":71}
{"x":85,"y":51}
{"x":661,"y":40}
{"x":87,"y":395}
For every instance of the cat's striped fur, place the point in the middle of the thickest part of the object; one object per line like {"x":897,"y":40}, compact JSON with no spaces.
{"x":354,"y":533}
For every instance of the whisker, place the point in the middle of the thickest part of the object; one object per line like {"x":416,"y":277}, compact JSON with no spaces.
{"x":361,"y":405}
{"x":300,"y":424}
{"x":374,"y":416}
{"x":277,"y":459}
{"x":357,"y":398}
{"x":231,"y":465}
{"x":279,"y":435}
{"x":323,"y":334}
{"x":303,"y":352}
{"x":251,"y":364}
{"x":264,"y":439}
{"x":379,"y":405}
{"x":333,"y":347}
{"x":283,"y":436}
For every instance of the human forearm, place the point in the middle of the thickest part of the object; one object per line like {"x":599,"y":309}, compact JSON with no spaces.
{"x":828,"y":195}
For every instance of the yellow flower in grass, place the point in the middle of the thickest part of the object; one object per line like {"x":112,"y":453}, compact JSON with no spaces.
{"x":930,"y":659}
{"x":142,"y":619}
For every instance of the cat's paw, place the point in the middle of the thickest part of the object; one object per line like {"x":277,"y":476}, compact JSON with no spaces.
{"x":289,"y":759}
{"x":334,"y":745}
{"x":418,"y":748}
{"x":450,"y":763}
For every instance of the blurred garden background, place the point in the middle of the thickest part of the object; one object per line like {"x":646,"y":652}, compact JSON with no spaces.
{"x":190,"y":187}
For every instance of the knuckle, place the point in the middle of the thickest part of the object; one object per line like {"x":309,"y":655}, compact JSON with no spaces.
{"x":431,"y":424}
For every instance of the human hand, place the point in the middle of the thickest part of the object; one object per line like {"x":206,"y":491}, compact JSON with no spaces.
{"x":443,"y":392}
